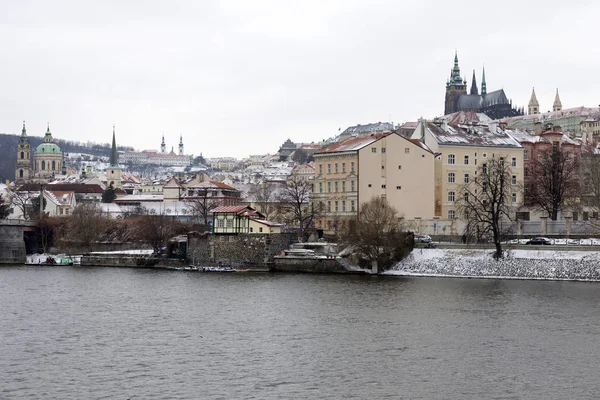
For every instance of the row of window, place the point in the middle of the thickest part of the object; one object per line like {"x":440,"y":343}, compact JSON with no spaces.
{"x":466,"y":159}
{"x":336,"y":205}
{"x":452,"y":196}
{"x":336,"y":168}
{"x":336,"y":186}
{"x":466,"y":177}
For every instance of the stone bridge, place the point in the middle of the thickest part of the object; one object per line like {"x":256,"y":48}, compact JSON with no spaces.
{"x":12,"y":243}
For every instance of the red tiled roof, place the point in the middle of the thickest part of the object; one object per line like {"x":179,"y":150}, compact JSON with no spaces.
{"x":231,"y":209}
{"x":353,"y":143}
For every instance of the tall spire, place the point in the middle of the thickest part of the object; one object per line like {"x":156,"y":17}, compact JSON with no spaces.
{"x":557,"y":105}
{"x":114,"y":157}
{"x":180,"y":144}
{"x":474,"y":89}
{"x":483,"y":84}
{"x":24,"y":138}
{"x":24,"y":131}
{"x":163,"y":146}
{"x":534,"y":106}
{"x":455,"y":73}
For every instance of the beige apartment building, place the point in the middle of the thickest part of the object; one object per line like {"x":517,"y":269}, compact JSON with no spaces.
{"x":352,"y":171}
{"x":462,"y":149}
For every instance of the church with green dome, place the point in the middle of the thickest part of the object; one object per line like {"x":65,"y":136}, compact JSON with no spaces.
{"x":47,"y":160}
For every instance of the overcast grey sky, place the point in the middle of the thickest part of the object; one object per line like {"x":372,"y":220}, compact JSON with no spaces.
{"x":240,"y":77}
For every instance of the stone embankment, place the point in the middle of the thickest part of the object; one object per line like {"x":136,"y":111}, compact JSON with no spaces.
{"x":517,"y":264}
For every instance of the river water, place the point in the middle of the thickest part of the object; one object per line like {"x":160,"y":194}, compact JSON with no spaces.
{"x":108,"y":333}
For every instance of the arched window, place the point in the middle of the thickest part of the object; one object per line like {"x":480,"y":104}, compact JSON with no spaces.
{"x":20,"y":173}
{"x":53,"y":165}
{"x":43,"y":165}
{"x":22,"y":155}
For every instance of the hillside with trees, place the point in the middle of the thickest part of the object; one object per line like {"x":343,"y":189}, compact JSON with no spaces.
{"x":8,"y":149}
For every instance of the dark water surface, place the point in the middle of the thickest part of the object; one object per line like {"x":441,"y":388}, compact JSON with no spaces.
{"x":102,"y":333}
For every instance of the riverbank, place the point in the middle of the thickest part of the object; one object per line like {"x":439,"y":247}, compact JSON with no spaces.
{"x":517,"y":264}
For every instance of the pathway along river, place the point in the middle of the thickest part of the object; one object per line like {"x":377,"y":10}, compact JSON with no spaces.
{"x":107,"y":333}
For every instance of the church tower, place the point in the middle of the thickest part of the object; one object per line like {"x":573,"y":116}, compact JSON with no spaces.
{"x":113,"y":172}
{"x":483,"y":85}
{"x":455,"y":86}
{"x":557,"y":105}
{"x":534,"y":106}
{"x":23,"y":166}
{"x":163,"y":146}
{"x":180,"y":145}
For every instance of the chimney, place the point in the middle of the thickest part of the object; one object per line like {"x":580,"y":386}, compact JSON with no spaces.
{"x":493,"y":126}
{"x":537,"y":128}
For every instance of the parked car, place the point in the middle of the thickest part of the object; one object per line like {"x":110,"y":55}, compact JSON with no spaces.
{"x":422,"y":239}
{"x":539,"y":240}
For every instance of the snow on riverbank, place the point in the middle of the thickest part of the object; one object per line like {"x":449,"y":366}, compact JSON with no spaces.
{"x":521,"y":264}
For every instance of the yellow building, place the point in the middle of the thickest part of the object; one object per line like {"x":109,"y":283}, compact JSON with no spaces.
{"x":241,"y":219}
{"x":352,"y":171}
{"x":462,"y":149}
{"x":47,"y":160}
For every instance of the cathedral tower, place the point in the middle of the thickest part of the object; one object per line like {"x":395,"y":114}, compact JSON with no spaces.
{"x":455,"y":86}
{"x":474,"y":89}
{"x":180,"y":145}
{"x":113,"y":172}
{"x":534,"y":106}
{"x":23,"y":166}
{"x":557,"y":105}
{"x":163,"y":146}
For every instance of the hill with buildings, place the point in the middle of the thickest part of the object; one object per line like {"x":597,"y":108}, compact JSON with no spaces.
{"x":8,"y":150}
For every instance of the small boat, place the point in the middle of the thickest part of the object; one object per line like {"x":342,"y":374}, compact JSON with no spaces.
{"x":218,"y":269}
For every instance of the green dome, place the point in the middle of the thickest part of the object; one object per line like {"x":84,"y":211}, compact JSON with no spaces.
{"x":48,"y":148}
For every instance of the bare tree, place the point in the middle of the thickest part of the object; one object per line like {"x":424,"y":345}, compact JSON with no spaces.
{"x":4,"y":208}
{"x":554,"y":182}
{"x":264,"y":195}
{"x":590,"y":170}
{"x":486,"y":200}
{"x":378,"y":235}
{"x":201,"y":205}
{"x":156,"y":230}
{"x":23,"y":202}
{"x":295,"y":208}
{"x":86,"y":225}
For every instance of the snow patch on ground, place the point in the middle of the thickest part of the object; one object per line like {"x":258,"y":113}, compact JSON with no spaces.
{"x":517,"y":264}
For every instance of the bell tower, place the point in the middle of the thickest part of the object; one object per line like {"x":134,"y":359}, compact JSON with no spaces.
{"x":533,"y":106}
{"x":113,"y":172}
{"x":23,"y":166}
{"x":455,"y":86}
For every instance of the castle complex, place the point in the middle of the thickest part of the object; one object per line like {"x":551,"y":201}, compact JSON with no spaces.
{"x":494,"y":104}
{"x":47,"y":160}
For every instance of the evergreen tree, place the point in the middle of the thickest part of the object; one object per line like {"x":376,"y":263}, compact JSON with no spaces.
{"x":109,"y":195}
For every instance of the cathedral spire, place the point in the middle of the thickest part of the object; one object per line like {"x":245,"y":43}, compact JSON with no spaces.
{"x":163,"y":146}
{"x":114,"y":157}
{"x":474,"y":89}
{"x":557,"y":106}
{"x":534,"y":106}
{"x":483,"y":84}
{"x":180,"y":144}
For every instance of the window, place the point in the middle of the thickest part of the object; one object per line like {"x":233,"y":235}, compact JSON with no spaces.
{"x":484,"y":155}
{"x":484,"y":168}
{"x":501,"y":160}
{"x":336,"y":206}
{"x":229,"y":224}
{"x":329,"y":206}
{"x":466,"y":160}
{"x":466,"y":197}
{"x":399,"y":187}
{"x":484,"y":186}
{"x":343,"y":186}
{"x":406,"y":150}
{"x":320,"y":187}
{"x":22,"y":155}
{"x":451,"y":214}
{"x":343,"y":167}
{"x":336,"y":186}
{"x":514,"y":197}
{"x":220,"y":223}
{"x":251,"y":229}
{"x":525,"y":154}
{"x":328,"y":187}
{"x":526,"y":172}
{"x":328,"y":168}
{"x":466,"y":178}
{"x":575,"y":216}
{"x":260,"y":229}
{"x":451,"y":158}
{"x":451,"y":177}
{"x":320,"y":169}
{"x":344,"y":205}
{"x":352,"y":186}
{"x":399,"y":166}
{"x":373,"y":149}
{"x":451,"y":197}
{"x":514,"y":161}
{"x":586,"y":216}
{"x":514,"y":179}
{"x":54,"y":166}
{"x":383,"y":186}
{"x":336,"y":168}
{"x":383,"y":149}
{"x":352,"y":166}
{"x":352,"y":205}
{"x":369,"y":185}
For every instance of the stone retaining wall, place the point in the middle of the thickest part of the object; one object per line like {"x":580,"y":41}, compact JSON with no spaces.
{"x":304,"y":264}
{"x":12,"y":245}
{"x":107,"y":260}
